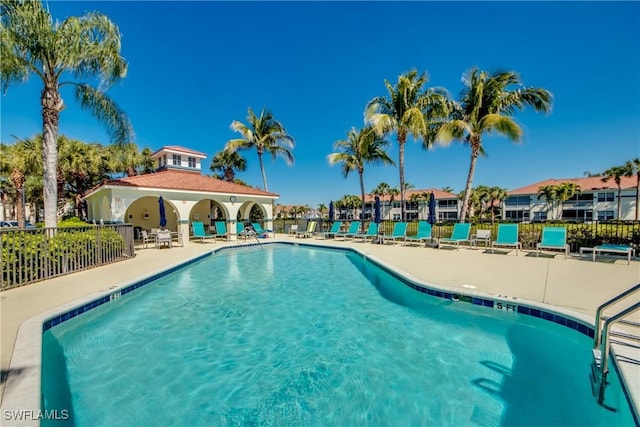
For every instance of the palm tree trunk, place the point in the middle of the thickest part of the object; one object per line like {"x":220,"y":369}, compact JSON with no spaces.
{"x":467,"y":189}
{"x":51,"y":106}
{"x":264,"y":175}
{"x":361,"y":173}
{"x":402,"y":139}
{"x":17,"y":177}
{"x":619,"y":204}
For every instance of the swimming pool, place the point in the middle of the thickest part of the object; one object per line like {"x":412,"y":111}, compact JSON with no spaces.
{"x":290,"y":335}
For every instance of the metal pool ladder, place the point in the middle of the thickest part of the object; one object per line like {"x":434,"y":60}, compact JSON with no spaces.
{"x":602,"y":341}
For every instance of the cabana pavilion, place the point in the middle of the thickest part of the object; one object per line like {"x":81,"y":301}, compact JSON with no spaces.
{"x":187,"y":194}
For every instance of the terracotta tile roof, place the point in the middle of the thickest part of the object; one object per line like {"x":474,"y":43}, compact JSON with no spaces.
{"x":184,"y":180}
{"x":439,"y":194}
{"x":179,"y":148}
{"x":586,"y":184}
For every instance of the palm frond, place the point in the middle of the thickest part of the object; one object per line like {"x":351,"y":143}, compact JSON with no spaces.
{"x":105,"y":110}
{"x":503,"y":125}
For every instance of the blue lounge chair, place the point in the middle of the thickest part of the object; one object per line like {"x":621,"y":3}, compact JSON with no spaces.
{"x":311,"y":229}
{"x":335,"y":229}
{"x":372,"y":231}
{"x":221,"y":230}
{"x":460,"y":234}
{"x":260,"y":232}
{"x":507,"y":236}
{"x":352,"y":231}
{"x":199,"y":233}
{"x":399,"y":232}
{"x":554,"y":238}
{"x":423,"y":234}
{"x":240,"y":230}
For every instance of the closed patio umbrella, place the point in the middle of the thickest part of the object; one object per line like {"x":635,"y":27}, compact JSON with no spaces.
{"x":432,"y":209}
{"x":377,"y":214}
{"x":163,"y":215}
{"x":331,"y":212}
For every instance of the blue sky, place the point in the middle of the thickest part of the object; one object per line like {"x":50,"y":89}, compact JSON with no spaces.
{"x":194,"y":67}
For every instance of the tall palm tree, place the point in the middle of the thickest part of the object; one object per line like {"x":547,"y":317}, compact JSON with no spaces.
{"x":360,"y":147}
{"x":486,"y":105}
{"x":408,"y":110}
{"x":616,"y":173}
{"x":496,"y":194}
{"x":19,"y":160}
{"x":634,"y":169}
{"x":549,"y":192}
{"x":228,"y":162}
{"x":83,"y":47}
{"x":265,"y":135}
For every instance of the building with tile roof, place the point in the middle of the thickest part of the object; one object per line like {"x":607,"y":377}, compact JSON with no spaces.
{"x":187,"y":195}
{"x":597,"y":200}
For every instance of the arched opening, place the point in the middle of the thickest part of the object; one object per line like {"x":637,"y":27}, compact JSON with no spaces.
{"x":208,"y":212}
{"x":144,"y":213}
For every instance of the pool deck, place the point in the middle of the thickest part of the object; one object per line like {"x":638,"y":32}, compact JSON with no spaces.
{"x":578,"y":285}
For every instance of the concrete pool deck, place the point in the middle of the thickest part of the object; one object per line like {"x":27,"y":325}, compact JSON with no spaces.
{"x":577,"y":285}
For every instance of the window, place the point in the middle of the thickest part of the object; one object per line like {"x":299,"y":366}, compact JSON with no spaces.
{"x":605,"y":197}
{"x":396,"y":217}
{"x":517,"y":215}
{"x":605,"y":215}
{"x":448,"y":216}
{"x":411,"y":215}
{"x":412,"y":206}
{"x":518,"y":201}
{"x":577,"y":215}
{"x":177,"y":160}
{"x":448,"y":204}
{"x":540,"y":216}
{"x":192,"y":162}
{"x":395,"y":205}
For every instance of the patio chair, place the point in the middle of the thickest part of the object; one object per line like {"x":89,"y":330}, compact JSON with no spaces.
{"x":423,"y":234}
{"x":335,"y":229}
{"x":221,"y":230}
{"x":399,"y":232}
{"x":481,"y":235}
{"x":146,"y":238}
{"x":460,"y":234}
{"x":164,"y":237}
{"x":199,"y":233}
{"x":352,"y":231}
{"x":311,"y":229}
{"x":554,"y":238}
{"x":240,"y":230}
{"x":260,"y":232}
{"x":507,"y":236}
{"x":372,"y":231}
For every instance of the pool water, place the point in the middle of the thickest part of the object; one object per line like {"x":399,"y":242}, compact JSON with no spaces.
{"x":284,"y":335}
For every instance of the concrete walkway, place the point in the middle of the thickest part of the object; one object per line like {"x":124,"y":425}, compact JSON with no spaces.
{"x":579,"y":285}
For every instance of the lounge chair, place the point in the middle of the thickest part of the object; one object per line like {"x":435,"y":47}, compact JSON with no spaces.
{"x":460,"y":234}
{"x":240,"y":230}
{"x":399,"y":232}
{"x":352,"y":231}
{"x":311,"y":229}
{"x":507,"y":236}
{"x":626,"y":250}
{"x":260,"y":232}
{"x":335,"y":229}
{"x":221,"y":230}
{"x":554,"y":238}
{"x":372,"y":231}
{"x":423,"y":234}
{"x":198,"y":232}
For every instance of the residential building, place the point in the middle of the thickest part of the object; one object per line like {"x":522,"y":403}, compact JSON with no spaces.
{"x":597,"y":201}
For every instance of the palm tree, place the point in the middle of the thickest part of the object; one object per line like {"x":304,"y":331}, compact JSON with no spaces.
{"x":407,"y":110}
{"x":227,"y":162}
{"x":634,"y":168}
{"x":321,"y":208}
{"x":360,"y":147}
{"x":496,"y":194}
{"x":616,"y":173}
{"x":564,"y":192}
{"x":19,"y":160}
{"x":549,"y":192}
{"x":448,"y":189}
{"x":486,"y":105}
{"x":265,"y":135}
{"x":87,"y":46}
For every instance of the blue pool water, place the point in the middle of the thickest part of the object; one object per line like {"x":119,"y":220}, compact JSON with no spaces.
{"x":284,"y":335}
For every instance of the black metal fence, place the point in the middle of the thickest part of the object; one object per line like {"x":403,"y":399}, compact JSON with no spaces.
{"x":578,"y":234}
{"x":31,"y":255}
